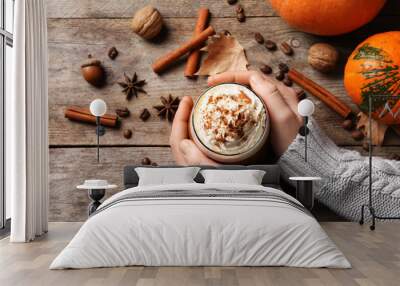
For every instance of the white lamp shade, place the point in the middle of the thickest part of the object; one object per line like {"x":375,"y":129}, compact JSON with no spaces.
{"x":306,"y":107}
{"x":98,"y":107}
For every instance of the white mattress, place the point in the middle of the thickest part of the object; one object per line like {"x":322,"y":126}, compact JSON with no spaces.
{"x":193,"y":231}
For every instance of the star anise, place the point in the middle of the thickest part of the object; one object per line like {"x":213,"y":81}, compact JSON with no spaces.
{"x":168,"y":107}
{"x":131,"y":86}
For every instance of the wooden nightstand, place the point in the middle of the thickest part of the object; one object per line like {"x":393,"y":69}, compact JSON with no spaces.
{"x":304,"y":190}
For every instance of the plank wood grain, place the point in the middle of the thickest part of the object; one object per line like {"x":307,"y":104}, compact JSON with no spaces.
{"x":69,"y":167}
{"x":168,"y":8}
{"x":70,"y":40}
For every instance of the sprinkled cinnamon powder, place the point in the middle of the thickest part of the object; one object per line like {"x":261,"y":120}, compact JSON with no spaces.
{"x":230,"y":119}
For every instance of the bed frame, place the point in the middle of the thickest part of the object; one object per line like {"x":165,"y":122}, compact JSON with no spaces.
{"x":271,"y":177}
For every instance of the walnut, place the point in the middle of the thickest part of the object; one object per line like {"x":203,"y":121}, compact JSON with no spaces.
{"x":323,"y":57}
{"x":147,"y":22}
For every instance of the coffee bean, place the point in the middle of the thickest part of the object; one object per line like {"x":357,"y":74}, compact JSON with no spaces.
{"x":127,"y":133}
{"x":348,"y":124}
{"x":122,"y":112}
{"x":301,"y":94}
{"x":259,"y":38}
{"x":280,"y":75}
{"x":231,"y":2}
{"x":286,"y":49}
{"x":146,"y":161}
{"x":241,"y":17}
{"x":112,"y":53}
{"x":357,"y":135}
{"x":145,"y":114}
{"x":239,"y":9}
{"x":266,"y":69}
{"x":283,"y":67}
{"x":287,"y":81}
{"x":303,"y":130}
{"x":270,"y":45}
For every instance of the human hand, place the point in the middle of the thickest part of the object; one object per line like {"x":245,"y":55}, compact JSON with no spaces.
{"x":184,"y":150}
{"x":281,"y":102}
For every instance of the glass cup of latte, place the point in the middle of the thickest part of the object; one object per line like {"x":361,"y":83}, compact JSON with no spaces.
{"x":229,"y":123}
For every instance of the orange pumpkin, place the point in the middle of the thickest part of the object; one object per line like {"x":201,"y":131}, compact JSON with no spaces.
{"x":327,"y":17}
{"x":373,"y":69}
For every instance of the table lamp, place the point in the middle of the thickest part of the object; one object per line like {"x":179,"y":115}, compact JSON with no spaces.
{"x":98,"y":108}
{"x":305,"y":108}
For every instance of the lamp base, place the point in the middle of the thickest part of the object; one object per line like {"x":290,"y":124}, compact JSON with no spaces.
{"x":95,"y":195}
{"x":374,"y":216}
{"x":304,"y":193}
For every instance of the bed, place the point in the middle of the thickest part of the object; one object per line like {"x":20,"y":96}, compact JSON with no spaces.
{"x":198,"y":224}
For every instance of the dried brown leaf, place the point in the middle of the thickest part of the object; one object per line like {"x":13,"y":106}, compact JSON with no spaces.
{"x":378,"y":129}
{"x":224,"y":54}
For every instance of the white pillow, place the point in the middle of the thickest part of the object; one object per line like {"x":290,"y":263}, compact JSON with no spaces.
{"x":165,"y":176}
{"x":248,"y":177}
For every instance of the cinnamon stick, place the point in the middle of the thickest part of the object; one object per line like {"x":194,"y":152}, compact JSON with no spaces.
{"x":82,"y":114}
{"x":318,"y":91}
{"x":193,"y":60}
{"x":165,"y":61}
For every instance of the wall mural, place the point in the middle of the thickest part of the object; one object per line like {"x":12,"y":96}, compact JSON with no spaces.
{"x":144,"y":66}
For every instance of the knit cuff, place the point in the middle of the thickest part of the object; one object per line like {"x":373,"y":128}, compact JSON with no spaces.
{"x":323,"y":155}
{"x":328,"y":161}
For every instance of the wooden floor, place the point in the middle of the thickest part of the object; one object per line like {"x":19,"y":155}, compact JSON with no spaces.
{"x":375,"y":257}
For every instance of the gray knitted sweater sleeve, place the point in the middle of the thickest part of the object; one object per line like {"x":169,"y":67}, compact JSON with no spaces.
{"x":344,"y":187}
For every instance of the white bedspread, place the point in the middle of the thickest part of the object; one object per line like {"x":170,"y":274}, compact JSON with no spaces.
{"x":200,"y":231}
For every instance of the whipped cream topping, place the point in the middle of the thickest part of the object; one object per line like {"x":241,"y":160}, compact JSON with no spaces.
{"x":229,"y":119}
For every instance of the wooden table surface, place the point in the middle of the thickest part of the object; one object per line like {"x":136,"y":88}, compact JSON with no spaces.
{"x":77,"y":28}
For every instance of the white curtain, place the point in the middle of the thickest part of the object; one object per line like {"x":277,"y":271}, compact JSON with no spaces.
{"x":27,"y":122}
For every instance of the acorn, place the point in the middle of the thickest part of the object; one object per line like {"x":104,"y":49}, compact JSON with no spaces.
{"x":93,"y":72}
